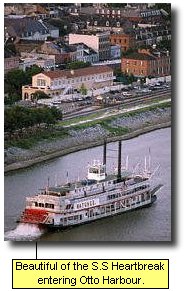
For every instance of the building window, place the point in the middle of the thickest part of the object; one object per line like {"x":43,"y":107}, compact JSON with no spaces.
{"x":41,"y":82}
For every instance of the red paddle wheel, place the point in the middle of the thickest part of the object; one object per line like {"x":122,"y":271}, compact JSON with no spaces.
{"x":35,"y":216}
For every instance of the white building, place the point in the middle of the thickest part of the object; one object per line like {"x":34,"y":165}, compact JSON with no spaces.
{"x":59,"y":83}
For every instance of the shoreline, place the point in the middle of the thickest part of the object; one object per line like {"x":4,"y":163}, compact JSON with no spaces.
{"x":28,"y":163}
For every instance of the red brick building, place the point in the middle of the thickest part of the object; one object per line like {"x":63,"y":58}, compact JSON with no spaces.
{"x":146,"y":63}
{"x":126,"y":41}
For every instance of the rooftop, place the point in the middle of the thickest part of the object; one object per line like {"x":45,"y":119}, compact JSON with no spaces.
{"x":26,"y":25}
{"x":78,"y":72}
{"x":92,"y":32}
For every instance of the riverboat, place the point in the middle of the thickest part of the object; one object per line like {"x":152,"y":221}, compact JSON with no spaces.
{"x":100,"y":195}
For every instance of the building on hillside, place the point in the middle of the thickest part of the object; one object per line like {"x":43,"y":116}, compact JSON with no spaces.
{"x":84,"y":53}
{"x":50,"y":47}
{"x":28,"y":28}
{"x":11,"y":63}
{"x":27,"y":45}
{"x":59,"y":83}
{"x":25,"y":9}
{"x":146,"y":63}
{"x":98,"y":41}
{"x":76,"y":52}
{"x":47,"y":62}
{"x":113,"y":24}
{"x":136,"y":12}
{"x":125,"y":40}
{"x":147,"y":36}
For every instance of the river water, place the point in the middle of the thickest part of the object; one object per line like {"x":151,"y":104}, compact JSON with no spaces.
{"x":148,"y":224}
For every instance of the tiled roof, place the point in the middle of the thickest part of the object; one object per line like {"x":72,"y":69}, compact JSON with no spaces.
{"x":139,"y":56}
{"x":78,"y":72}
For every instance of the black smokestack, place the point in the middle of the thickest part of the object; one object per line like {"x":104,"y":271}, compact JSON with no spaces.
{"x":119,"y":161}
{"x":104,"y":152}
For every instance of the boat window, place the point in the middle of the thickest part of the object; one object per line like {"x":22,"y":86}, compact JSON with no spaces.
{"x":68,"y":206}
{"x":41,"y":205}
{"x":94,"y":171}
{"x":48,"y":205}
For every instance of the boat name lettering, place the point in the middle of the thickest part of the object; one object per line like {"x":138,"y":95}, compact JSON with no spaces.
{"x":86,"y":204}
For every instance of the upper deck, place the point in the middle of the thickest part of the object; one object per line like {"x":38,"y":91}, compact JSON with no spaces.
{"x":90,"y":187}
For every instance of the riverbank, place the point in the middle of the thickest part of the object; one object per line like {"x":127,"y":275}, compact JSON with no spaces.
{"x":77,"y":147}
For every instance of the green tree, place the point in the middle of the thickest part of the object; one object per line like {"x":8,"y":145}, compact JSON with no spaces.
{"x":56,"y":113}
{"x":31,"y":71}
{"x":11,"y":99}
{"x":78,"y":65}
{"x":83,"y":89}
{"x":40,"y":95}
{"x":14,"y":81}
{"x":19,"y":117}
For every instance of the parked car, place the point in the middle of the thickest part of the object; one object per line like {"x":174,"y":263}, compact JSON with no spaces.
{"x":126,"y":94}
